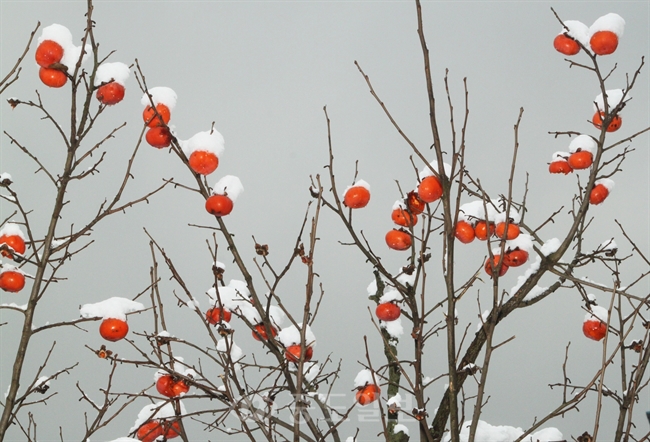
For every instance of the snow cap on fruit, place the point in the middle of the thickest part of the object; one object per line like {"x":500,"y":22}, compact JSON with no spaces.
{"x":363,"y":378}
{"x":577,"y":31}
{"x":426,"y":170}
{"x":230,"y":186}
{"x":609,"y":22}
{"x":583,"y":142}
{"x":115,"y":307}
{"x":107,"y":72}
{"x":160,"y":95}
{"x":207,"y":141}
{"x":291,"y":336}
{"x":614,"y":97}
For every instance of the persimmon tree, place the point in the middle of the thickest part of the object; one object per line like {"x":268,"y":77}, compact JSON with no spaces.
{"x":250,"y":368}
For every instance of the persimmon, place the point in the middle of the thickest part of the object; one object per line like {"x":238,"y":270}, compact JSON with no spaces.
{"x":594,"y":329}
{"x":149,"y":431}
{"x":159,"y":137}
{"x":259,"y":332}
{"x":48,"y":53}
{"x":581,"y":159}
{"x":113,"y":329}
{"x":203,"y":162}
{"x":292,"y":353}
{"x":170,"y":387}
{"x":219,"y":205}
{"x":613,"y":125}
{"x":368,"y":394}
{"x":13,"y":241}
{"x":414,"y":203}
{"x":560,"y":167}
{"x":150,"y":118}
{"x":402,"y":218}
{"x":566,"y":45}
{"x":398,"y":239}
{"x":598,"y":194}
{"x":170,"y":429}
{"x":482,"y":230}
{"x":496,"y":259}
{"x":430,"y":189}
{"x":388,"y":311}
{"x":515,"y":258}
{"x":215,"y":314}
{"x":110,"y":93}
{"x":603,"y":42}
{"x":464,"y":232}
{"x":52,"y":77}
{"x":356,"y":197}
{"x":12,"y":281}
{"x":512,"y":233}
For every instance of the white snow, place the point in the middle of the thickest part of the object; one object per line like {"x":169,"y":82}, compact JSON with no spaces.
{"x":310,"y":370}
{"x":559,"y":156}
{"x":524,"y":241}
{"x":220,"y":265}
{"x":11,"y":229}
{"x":609,"y":22}
{"x":426,"y":171}
{"x":514,"y":215}
{"x":550,"y":246}
{"x":399,"y":204}
{"x":160,"y":94}
{"x":363,"y":378}
{"x":609,"y":184}
{"x":400,"y":428}
{"x":358,"y":183}
{"x":610,"y":244}
{"x":115,"y":307}
{"x":230,"y":186}
{"x":14,"y":305}
{"x":583,"y":142}
{"x":503,"y":433}
{"x":71,"y":55}
{"x":207,"y":141}
{"x":236,"y":352}
{"x":597,"y":312}
{"x":10,"y":268}
{"x":406,"y":279}
{"x":614,"y":97}
{"x":43,"y":380}
{"x":394,"y":328}
{"x":291,"y":336}
{"x":390,"y":295}
{"x":57,"y":33}
{"x":159,"y":410}
{"x":107,"y":72}
{"x":394,"y":400}
{"x":4,"y":176}
{"x":474,"y":211}
{"x":577,"y":31}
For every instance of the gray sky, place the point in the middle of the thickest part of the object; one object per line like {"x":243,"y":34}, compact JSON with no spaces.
{"x":263,"y":72}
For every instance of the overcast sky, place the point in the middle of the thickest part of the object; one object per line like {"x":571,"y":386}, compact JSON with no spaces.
{"x":262,"y":71}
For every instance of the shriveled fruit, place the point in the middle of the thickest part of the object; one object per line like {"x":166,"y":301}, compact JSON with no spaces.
{"x":566,"y":45}
{"x":13,"y":241}
{"x":581,"y":159}
{"x":560,"y":167}
{"x":515,"y":258}
{"x":398,"y":239}
{"x":113,"y":329}
{"x":368,"y":394}
{"x":356,"y":197}
{"x":430,"y":189}
{"x":219,"y":205}
{"x":603,"y":42}
{"x":12,"y":281}
{"x":496,"y":259}
{"x":388,"y":311}
{"x":512,"y":233}
{"x":110,"y":93}
{"x":613,"y":125}
{"x":402,"y":218}
{"x":152,"y":120}
{"x":482,"y":230}
{"x":203,"y":162}
{"x":52,"y":77}
{"x":259,"y":332}
{"x":292,"y":353}
{"x":594,"y":329}
{"x":598,"y":194}
{"x":216,"y":314}
{"x":48,"y":53}
{"x":159,"y":137}
{"x":170,"y":387}
{"x":464,"y":232}
{"x":414,"y":203}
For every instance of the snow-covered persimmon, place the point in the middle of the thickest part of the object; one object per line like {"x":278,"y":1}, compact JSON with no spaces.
{"x":430,"y":189}
{"x":613,"y":125}
{"x":260,"y":334}
{"x":159,"y":137}
{"x":512,"y":233}
{"x":52,"y":77}
{"x":113,"y":329}
{"x":292,"y":353}
{"x":12,"y":281}
{"x":170,"y":387}
{"x":110,"y":93}
{"x":496,"y":259}
{"x":388,"y":311}
{"x":482,"y":230}
{"x":368,"y":394}
{"x":48,"y":53}
{"x":594,"y":329}
{"x":598,"y":194}
{"x":464,"y":232}
{"x":150,"y":118}
{"x":356,"y":197}
{"x":216,"y":314}
{"x":581,"y":159}
{"x":414,"y":203}
{"x":203,"y":162}
{"x":560,"y":167}
{"x":403,"y":218}
{"x":398,"y":239}
{"x":603,"y":42}
{"x":13,"y":241}
{"x":149,"y":431}
{"x":515,"y":258}
{"x":566,"y":45}
{"x":218,"y":205}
